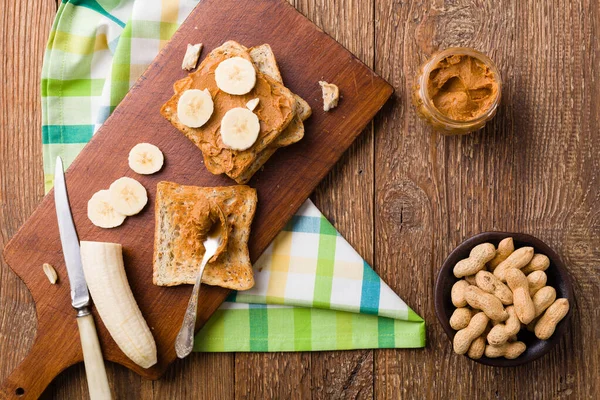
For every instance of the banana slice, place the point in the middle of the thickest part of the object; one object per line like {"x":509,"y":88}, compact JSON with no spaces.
{"x":101,"y":211}
{"x":236,"y":75}
{"x":195,"y":107}
{"x":251,"y":105}
{"x":239,"y":128}
{"x":128,"y":196}
{"x":145,"y":158}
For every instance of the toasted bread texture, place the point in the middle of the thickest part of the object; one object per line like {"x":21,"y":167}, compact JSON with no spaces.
{"x":176,"y":259}
{"x":264,"y":59}
{"x":303,"y":110}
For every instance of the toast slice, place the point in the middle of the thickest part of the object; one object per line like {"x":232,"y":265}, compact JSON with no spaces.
{"x":303,"y":110}
{"x":278,"y":107}
{"x":176,"y":259}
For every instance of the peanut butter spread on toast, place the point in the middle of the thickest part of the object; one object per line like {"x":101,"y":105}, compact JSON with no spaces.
{"x":195,"y":227}
{"x":177,"y":248}
{"x":275,"y":111}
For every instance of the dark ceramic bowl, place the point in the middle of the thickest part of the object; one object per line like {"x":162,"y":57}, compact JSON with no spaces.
{"x":558,"y":277}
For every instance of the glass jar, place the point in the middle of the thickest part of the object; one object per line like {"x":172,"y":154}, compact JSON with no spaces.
{"x":448,"y":119}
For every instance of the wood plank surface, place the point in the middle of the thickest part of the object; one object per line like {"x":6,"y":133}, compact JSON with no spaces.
{"x":533,"y":169}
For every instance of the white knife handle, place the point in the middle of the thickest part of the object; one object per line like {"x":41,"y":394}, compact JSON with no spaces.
{"x":92,"y":358}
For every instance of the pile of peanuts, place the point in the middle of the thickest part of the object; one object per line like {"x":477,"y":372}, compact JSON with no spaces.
{"x":492,"y":280}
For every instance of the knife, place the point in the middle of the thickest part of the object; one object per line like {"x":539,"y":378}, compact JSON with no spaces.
{"x":80,"y":297}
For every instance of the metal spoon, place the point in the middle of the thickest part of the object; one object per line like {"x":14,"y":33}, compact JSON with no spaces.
{"x":185,"y":338}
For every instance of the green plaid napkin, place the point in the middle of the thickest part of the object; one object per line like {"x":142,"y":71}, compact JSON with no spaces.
{"x":313,"y":291}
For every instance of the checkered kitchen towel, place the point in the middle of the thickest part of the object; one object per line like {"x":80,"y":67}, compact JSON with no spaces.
{"x":313,"y":291}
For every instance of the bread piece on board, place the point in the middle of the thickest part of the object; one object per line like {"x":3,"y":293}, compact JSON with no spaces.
{"x":176,"y":262}
{"x":331,"y":95}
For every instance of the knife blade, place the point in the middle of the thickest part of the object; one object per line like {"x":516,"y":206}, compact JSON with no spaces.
{"x":80,"y":297}
{"x":95,"y":370}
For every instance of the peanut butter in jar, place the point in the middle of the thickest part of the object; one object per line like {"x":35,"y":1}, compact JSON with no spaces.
{"x":457,"y":91}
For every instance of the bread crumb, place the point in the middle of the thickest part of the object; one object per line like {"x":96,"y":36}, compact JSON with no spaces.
{"x":191,"y":56}
{"x":331,"y":95}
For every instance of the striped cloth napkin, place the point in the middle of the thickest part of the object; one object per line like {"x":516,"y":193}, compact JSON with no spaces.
{"x":313,"y":291}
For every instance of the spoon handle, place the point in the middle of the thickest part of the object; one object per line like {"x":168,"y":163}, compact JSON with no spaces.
{"x":185,"y":338}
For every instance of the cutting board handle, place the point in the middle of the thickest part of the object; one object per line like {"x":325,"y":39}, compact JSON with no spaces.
{"x":35,"y":372}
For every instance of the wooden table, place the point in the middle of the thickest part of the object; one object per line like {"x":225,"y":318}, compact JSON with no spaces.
{"x":403,"y":196}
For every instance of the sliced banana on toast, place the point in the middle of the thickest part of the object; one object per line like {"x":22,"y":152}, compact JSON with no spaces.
{"x":239,"y":128}
{"x":128,"y":196}
{"x":145,"y":158}
{"x":235,"y":75}
{"x":195,"y":107}
{"x":101,"y":211}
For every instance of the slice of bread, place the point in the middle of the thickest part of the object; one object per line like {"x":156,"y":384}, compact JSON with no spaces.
{"x":176,"y":261}
{"x":292,"y":134}
{"x":276,"y":100}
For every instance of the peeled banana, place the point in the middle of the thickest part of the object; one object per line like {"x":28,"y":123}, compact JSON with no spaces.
{"x":106,"y":279}
{"x":251,"y":105}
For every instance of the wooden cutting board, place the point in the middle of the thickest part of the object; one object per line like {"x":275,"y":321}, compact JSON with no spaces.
{"x":305,"y":55}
